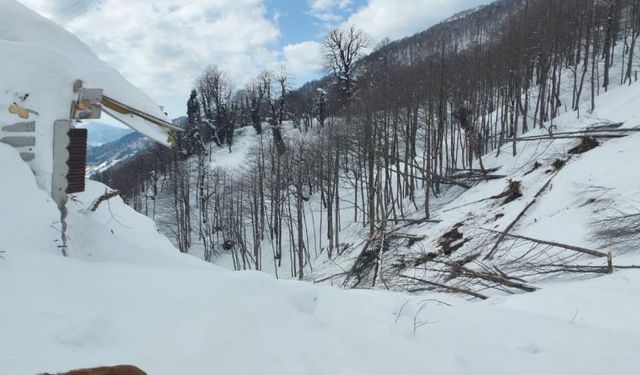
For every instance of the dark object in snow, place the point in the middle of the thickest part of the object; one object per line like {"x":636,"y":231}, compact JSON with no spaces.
{"x":115,"y":370}
{"x":228,"y":245}
{"x":424,"y":259}
{"x":511,"y":193}
{"x":558,"y":164}
{"x":536,"y":165}
{"x":498,"y":216}
{"x":450,"y":241}
{"x":587,"y":144}
{"x":104,"y":197}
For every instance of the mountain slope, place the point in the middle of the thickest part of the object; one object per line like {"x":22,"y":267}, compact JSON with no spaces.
{"x":125,"y":296}
{"x":100,"y":133}
{"x":111,"y":154}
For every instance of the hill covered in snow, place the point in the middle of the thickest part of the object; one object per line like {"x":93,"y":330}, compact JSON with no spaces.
{"x":100,"y":133}
{"x":526,"y":264}
{"x":125,"y":295}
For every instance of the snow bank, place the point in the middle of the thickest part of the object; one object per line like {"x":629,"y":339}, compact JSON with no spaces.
{"x":126,"y":296}
{"x":27,"y":214}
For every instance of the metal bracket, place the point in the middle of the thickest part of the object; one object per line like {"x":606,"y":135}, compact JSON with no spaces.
{"x":88,"y":106}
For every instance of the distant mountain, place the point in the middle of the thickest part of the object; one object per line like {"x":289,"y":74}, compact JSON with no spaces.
{"x":100,"y":158}
{"x":101,"y":133}
{"x":465,"y":28}
{"x":107,"y":155}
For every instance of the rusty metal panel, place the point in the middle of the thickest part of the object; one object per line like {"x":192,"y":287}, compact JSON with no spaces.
{"x":77,"y":161}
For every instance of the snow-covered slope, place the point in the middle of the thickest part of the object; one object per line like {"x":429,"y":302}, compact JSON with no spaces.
{"x":126,"y":296}
{"x":101,"y":133}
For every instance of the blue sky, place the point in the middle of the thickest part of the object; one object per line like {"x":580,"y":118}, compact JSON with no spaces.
{"x":162,"y":46}
{"x":297,"y":22}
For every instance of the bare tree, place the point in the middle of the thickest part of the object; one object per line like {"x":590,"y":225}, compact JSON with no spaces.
{"x":343,"y":48}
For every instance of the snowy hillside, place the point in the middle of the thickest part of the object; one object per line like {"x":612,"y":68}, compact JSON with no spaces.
{"x":126,"y":296}
{"x":100,"y":133}
{"x":110,"y":154}
{"x":570,"y":201}
{"x":530,"y":267}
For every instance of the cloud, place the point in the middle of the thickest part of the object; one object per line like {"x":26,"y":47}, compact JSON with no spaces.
{"x":397,"y":19}
{"x":327,"y":10}
{"x":303,"y":59}
{"x":162,"y":46}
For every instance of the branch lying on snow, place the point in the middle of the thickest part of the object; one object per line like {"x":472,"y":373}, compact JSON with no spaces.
{"x":329,"y":277}
{"x":448,"y":288}
{"x":520,"y":215}
{"x":618,"y":231}
{"x":594,"y":132}
{"x":104,"y":197}
{"x":497,"y":277}
{"x":594,"y":253}
{"x":548,"y":137}
{"x":627,"y":267}
{"x":413,"y":221}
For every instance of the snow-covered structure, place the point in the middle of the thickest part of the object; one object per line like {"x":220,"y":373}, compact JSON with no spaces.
{"x":49,"y":79}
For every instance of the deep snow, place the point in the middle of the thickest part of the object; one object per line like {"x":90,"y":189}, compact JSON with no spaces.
{"x":126,"y":295}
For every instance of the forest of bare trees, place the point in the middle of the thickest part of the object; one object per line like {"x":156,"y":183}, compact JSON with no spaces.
{"x":379,"y":137}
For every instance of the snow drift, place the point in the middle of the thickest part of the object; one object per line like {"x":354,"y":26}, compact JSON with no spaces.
{"x":125,"y":295}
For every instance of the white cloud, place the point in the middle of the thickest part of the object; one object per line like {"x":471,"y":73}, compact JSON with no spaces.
{"x":327,"y":10}
{"x":396,"y":19}
{"x":162,"y":46}
{"x":303,"y":59}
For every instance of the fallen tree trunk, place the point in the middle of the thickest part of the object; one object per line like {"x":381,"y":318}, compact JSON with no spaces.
{"x":579,"y":249}
{"x":499,"y":277}
{"x":553,"y":137}
{"x":104,"y":197}
{"x":520,"y":215}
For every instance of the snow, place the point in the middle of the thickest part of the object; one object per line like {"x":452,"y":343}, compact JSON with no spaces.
{"x":28,"y":30}
{"x":126,"y":295}
{"x":43,"y":60}
{"x":26,"y":213}
{"x":130,"y":299}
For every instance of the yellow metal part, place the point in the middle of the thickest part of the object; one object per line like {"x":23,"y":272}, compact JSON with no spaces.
{"x":173,"y":140}
{"x":20,"y":111}
{"x":127,"y":110}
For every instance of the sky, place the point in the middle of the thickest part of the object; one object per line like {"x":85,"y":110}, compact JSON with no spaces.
{"x":162,"y":46}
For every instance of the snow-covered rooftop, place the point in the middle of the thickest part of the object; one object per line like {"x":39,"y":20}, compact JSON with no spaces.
{"x":39,"y":65}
